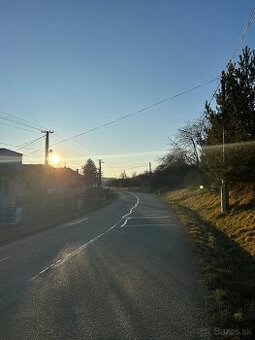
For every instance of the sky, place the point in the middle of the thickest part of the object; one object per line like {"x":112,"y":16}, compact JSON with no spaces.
{"x":72,"y":65}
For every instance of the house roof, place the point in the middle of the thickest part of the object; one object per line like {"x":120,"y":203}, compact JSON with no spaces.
{"x":68,"y":171}
{"x":36,"y":170}
{"x":7,"y":152}
{"x":57,"y":172}
{"x":33,"y":166}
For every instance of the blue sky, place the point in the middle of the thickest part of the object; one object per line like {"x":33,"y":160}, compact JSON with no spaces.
{"x":73,"y":65}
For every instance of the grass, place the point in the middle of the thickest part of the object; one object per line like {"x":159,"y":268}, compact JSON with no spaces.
{"x":224,"y":248}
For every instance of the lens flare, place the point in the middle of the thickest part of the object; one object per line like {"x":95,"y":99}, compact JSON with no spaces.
{"x":55,"y":159}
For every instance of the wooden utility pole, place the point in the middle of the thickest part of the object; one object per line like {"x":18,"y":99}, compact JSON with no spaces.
{"x":47,"y":143}
{"x":100,"y":172}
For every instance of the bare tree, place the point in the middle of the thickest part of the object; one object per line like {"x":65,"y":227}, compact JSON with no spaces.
{"x":123,"y":175}
{"x":189,"y":139}
{"x":175,"y":157}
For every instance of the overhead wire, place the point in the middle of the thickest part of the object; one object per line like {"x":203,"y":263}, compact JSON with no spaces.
{"x":19,"y":123}
{"x":245,"y":30}
{"x":18,"y":127}
{"x":7,"y":144}
{"x":238,"y":45}
{"x":22,"y":146}
{"x":32,"y":124}
{"x":27,"y":123}
{"x":135,"y":112}
{"x":130,"y":168}
{"x":74,"y":147}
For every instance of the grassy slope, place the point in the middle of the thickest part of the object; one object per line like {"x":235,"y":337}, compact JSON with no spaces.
{"x":224,"y":247}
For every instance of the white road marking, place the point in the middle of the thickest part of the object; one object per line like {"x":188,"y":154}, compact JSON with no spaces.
{"x":59,"y":262}
{"x":124,"y":223}
{"x":5,"y":259}
{"x":131,"y":210}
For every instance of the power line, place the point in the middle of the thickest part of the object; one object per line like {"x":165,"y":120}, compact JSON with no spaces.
{"x":7,"y":144}
{"x":17,"y":122}
{"x":28,"y":143}
{"x":214,"y":93}
{"x":238,"y":45}
{"x":132,"y":113}
{"x":33,"y":151}
{"x":74,"y":147}
{"x":138,"y":111}
{"x":129,"y":168}
{"x":243,"y":33}
{"x":35,"y":125}
{"x":137,"y":166}
{"x":18,"y":127}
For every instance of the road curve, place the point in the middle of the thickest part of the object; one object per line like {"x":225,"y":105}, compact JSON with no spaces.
{"x":123,"y":272}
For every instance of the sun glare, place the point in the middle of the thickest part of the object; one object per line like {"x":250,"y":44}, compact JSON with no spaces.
{"x":55,"y":159}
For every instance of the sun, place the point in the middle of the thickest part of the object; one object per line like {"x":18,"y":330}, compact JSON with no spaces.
{"x":55,"y":159}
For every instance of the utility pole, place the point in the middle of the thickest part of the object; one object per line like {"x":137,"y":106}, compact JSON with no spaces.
{"x":224,"y":188}
{"x":47,"y":142}
{"x":150,"y":168}
{"x":100,"y":172}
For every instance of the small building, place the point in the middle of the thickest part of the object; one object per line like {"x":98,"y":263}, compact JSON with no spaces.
{"x":34,"y":178}
{"x":23,"y":187}
{"x":38,"y":179}
{"x":66,"y":181}
{"x":10,"y":172}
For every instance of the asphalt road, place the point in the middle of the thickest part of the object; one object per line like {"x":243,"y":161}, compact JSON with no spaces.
{"x":123,"y":272}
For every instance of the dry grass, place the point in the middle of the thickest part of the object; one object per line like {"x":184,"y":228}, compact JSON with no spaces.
{"x":224,"y":247}
{"x":239,"y":223}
